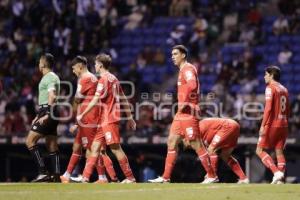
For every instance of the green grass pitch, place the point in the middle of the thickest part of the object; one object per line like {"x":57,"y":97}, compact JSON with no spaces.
{"x":144,"y":191}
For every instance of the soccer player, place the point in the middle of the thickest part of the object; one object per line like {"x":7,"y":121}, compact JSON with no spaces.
{"x":185,"y":123}
{"x":45,"y":123}
{"x":110,"y":96}
{"x":274,"y":127}
{"x":222,"y":134}
{"x":86,"y":89}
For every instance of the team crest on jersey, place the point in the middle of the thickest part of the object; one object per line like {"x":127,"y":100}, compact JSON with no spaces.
{"x":189,"y":75}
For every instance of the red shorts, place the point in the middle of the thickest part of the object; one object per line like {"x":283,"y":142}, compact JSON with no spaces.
{"x":226,"y":137}
{"x":274,"y":137}
{"x":85,"y":136}
{"x":188,"y":129}
{"x":108,"y":134}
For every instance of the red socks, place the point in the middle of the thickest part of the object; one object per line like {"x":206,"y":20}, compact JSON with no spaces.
{"x":214,"y":162}
{"x":109,"y":167}
{"x":204,"y":158}
{"x":89,"y":167}
{"x":100,"y":166}
{"x":236,"y":168}
{"x":124,"y":164}
{"x":169,"y":164}
{"x":73,"y":162}
{"x":268,"y":161}
{"x":281,"y":163}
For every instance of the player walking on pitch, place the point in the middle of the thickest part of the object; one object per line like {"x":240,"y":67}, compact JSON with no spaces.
{"x":185,"y":123}
{"x":274,"y":127}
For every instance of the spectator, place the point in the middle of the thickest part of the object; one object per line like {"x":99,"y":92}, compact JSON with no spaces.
{"x":178,"y":35}
{"x":134,"y":19}
{"x":198,"y":37}
{"x":285,"y":55}
{"x":280,"y":25}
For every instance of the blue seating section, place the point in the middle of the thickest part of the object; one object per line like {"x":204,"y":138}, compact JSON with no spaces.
{"x":130,"y":43}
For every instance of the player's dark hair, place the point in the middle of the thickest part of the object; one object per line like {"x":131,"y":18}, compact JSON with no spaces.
{"x":275,"y":71}
{"x":79,"y":59}
{"x":182,"y":49}
{"x":49,"y":58}
{"x":105,"y":59}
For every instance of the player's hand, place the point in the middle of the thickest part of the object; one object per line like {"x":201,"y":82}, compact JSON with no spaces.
{"x":43,"y":119}
{"x":79,"y":118}
{"x":73,"y":129}
{"x":131,"y":125}
{"x":34,"y":120}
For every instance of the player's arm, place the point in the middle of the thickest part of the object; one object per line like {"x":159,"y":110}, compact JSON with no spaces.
{"x":268,"y":109}
{"x":92,"y":103}
{"x":124,"y":102}
{"x":100,"y":92}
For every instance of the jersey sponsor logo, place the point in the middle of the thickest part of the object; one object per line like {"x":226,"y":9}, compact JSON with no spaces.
{"x":108,"y":136}
{"x":190,"y":132}
{"x":268,"y":93}
{"x":189,"y":75}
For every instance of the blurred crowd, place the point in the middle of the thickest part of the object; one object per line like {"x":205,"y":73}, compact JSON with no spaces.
{"x":87,"y":27}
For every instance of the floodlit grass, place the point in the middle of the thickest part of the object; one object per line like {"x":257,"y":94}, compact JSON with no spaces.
{"x":142,"y":191}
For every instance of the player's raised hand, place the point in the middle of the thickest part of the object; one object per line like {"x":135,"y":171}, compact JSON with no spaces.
{"x":131,"y":125}
{"x":73,"y":129}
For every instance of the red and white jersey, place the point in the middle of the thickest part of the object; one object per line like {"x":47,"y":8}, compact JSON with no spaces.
{"x":188,"y":88}
{"x":86,"y":88}
{"x":277,"y":105}
{"x":109,"y":90}
{"x":209,"y":127}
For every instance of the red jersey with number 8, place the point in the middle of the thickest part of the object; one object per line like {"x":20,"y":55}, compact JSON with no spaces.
{"x":277,"y":106}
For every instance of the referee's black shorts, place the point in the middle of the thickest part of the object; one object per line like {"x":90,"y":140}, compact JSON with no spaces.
{"x":49,"y":127}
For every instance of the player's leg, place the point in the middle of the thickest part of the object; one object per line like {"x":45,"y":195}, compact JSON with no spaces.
{"x":213,"y":156}
{"x":226,"y":155}
{"x":112,"y":139}
{"x":101,"y":170}
{"x":108,"y":164}
{"x":91,"y":161}
{"x":266,"y":142}
{"x":279,"y":148}
{"x":203,"y":155}
{"x":281,"y":162}
{"x":51,"y":144}
{"x":173,"y":140}
{"x":74,"y":159}
{"x":123,"y":162}
{"x":31,"y":143}
{"x":192,"y":133}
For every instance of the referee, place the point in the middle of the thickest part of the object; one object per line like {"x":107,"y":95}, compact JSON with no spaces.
{"x":45,"y":123}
